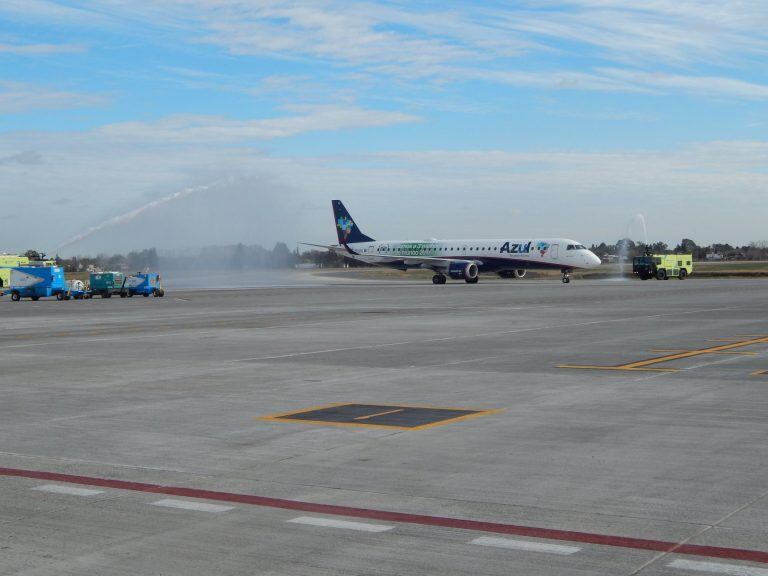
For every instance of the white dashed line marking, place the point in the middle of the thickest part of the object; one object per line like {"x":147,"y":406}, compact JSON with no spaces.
{"x":717,"y":568}
{"x":196,"y":506}
{"x":71,"y":490}
{"x":328,"y":523}
{"x":525,"y":545}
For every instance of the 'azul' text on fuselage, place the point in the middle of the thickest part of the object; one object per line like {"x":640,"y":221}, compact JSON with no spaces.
{"x":516,"y":248}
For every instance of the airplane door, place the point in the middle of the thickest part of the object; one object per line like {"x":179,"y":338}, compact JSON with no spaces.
{"x":555,"y":251}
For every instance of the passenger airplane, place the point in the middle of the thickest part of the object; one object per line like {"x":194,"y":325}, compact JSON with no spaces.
{"x":460,"y":259}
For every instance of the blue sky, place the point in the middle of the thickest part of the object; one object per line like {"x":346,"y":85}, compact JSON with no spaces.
{"x":428,"y":119}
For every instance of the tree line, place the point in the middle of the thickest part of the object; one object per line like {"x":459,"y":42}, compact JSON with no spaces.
{"x":250,"y":257}
{"x":630,"y":248}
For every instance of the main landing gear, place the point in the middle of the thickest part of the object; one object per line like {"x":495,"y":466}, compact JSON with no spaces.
{"x":566,"y":276}
{"x":441,"y":279}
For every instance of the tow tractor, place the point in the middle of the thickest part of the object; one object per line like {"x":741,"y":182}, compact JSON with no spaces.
{"x":663,"y":266}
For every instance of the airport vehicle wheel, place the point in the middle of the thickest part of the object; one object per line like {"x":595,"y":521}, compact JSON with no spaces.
{"x":146,"y":295}
{"x":661,"y":274}
{"x":161,"y":292}
{"x":123,"y":294}
{"x":59,"y":296}
{"x":35,"y":298}
{"x":15,"y":296}
{"x":107,"y":295}
{"x":683,"y":274}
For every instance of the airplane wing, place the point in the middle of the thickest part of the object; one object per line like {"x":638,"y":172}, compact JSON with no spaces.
{"x":326,"y":246}
{"x":426,"y":262}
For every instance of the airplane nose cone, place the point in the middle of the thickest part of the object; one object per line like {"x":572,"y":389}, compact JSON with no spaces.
{"x":593,"y":260}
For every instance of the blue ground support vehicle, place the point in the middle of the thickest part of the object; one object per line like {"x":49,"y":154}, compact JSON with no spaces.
{"x":144,"y":284}
{"x":37,"y":282}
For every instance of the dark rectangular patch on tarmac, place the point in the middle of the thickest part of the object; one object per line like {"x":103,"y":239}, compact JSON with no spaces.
{"x":379,"y":415}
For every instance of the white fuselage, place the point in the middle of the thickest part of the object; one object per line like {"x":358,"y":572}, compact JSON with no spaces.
{"x":490,"y":255}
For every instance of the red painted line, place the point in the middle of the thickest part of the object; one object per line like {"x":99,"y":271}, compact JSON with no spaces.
{"x":401,"y":517}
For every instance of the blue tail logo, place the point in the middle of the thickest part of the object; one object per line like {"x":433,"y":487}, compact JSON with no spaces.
{"x":346,"y":229}
{"x":345,"y":226}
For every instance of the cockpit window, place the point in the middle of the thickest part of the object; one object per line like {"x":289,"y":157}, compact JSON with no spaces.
{"x":576,"y":247}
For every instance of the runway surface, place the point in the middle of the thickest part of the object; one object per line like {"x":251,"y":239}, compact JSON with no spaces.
{"x":521,"y":427}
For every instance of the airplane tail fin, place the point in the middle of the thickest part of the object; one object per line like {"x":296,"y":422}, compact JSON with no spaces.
{"x":346,"y":229}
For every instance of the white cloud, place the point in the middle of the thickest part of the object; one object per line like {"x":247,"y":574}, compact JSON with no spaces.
{"x":27,"y":157}
{"x":586,"y":195}
{"x":562,"y":80}
{"x":707,"y":85}
{"x":656,"y":31}
{"x":508,"y":44}
{"x":21,"y":97}
{"x":189,"y":129}
{"x":51,"y":11}
{"x":40,"y":49}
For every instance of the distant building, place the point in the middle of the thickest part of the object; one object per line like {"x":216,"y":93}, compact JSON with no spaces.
{"x":713,"y":256}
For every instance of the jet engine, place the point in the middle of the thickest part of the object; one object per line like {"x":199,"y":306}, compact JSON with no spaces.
{"x":462,"y":270}
{"x":520,"y":273}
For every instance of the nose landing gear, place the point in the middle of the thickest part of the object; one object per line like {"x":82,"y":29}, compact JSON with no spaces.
{"x":566,"y":276}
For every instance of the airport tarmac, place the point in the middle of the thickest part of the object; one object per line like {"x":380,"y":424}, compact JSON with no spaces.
{"x":520,"y":427}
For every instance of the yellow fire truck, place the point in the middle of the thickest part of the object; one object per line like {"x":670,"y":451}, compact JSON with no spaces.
{"x":663,"y":266}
